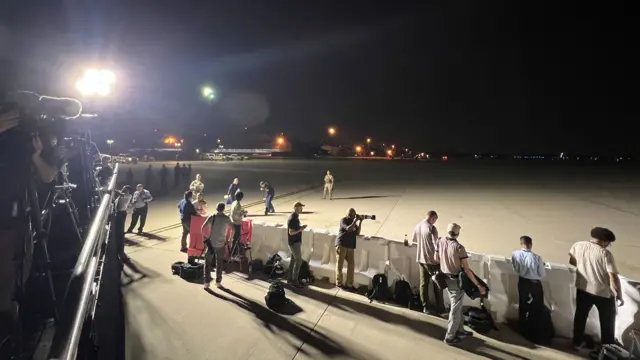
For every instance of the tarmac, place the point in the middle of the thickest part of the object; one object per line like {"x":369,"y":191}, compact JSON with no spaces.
{"x":168,"y":318}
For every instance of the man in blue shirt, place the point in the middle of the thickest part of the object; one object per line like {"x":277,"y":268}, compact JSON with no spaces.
{"x":187,"y":210}
{"x":530,"y":269}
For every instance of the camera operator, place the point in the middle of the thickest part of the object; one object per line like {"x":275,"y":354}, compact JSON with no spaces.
{"x":20,"y":152}
{"x":350,"y":227}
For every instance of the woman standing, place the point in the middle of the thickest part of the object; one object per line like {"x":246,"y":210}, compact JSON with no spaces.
{"x":201,"y":205}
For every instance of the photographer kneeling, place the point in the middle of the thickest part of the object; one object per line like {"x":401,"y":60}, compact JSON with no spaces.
{"x":350,"y":227}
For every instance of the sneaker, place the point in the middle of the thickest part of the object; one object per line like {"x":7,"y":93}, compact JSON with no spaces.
{"x":454,"y":340}
{"x":218,"y":284}
{"x":207,"y":285}
{"x":464,"y":333}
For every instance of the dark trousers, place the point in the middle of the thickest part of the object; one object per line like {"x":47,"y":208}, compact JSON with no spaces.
{"x":140,"y":213}
{"x":426,"y":274}
{"x":186,"y":228}
{"x":606,"y":312}
{"x":121,"y":218}
{"x":268,"y":205}
{"x":237,"y":232}
{"x":531,"y":298}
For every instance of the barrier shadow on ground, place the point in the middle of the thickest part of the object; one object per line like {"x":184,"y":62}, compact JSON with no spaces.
{"x":135,"y":345}
{"x":363,"y":197}
{"x":276,"y":323}
{"x":151,"y":236}
{"x":473,"y":345}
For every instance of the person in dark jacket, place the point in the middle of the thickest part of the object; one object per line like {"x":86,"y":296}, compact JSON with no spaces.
{"x":176,"y":175}
{"x":269,"y":194}
{"x":164,"y":172}
{"x":187,"y":210}
{"x":233,"y":189}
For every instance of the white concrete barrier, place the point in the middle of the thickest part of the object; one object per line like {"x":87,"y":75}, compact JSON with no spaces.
{"x":402,"y":262}
{"x":323,"y":257}
{"x":372,"y":260}
{"x":307,"y":244}
{"x":378,"y":255}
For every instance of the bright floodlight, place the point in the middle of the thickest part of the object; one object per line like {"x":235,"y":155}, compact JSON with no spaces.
{"x":96,"y":82}
{"x":280,"y":140}
{"x":208,"y":93}
{"x":332,"y":131}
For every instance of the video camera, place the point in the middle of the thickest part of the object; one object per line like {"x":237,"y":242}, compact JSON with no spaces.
{"x":366,"y":217}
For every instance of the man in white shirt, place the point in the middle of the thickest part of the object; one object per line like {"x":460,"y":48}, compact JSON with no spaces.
{"x":140,"y":203}
{"x":328,"y":186}
{"x":122,"y":203}
{"x":597,"y":283}
{"x":218,"y":225}
{"x":237,"y":214}
{"x":425,"y":235}
{"x":530,"y":269}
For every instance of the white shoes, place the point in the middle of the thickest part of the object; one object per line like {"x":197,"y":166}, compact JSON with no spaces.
{"x":207,"y":285}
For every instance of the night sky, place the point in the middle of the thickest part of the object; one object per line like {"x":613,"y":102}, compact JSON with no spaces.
{"x":458,"y":76}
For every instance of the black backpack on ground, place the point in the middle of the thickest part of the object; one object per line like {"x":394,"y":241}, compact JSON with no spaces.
{"x":188,"y":272}
{"x":539,"y":327}
{"x":380,"y":289}
{"x":479,"y":319}
{"x":305,"y":275}
{"x":275,"y":297}
{"x":402,"y":293}
{"x":271,"y":262}
{"x":611,"y":352}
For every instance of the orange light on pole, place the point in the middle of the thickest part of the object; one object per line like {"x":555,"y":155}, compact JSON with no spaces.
{"x":280,"y":140}
{"x":389,"y":152}
{"x":358,"y":149}
{"x":332,"y":131}
{"x":169,"y":140}
{"x":368,"y":140}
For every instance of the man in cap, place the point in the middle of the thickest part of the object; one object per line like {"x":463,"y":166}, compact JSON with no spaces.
{"x":295,"y":243}
{"x":328,"y":186}
{"x":452,"y":257}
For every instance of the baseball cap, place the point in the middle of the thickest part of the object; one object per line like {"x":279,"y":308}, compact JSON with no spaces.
{"x":453,"y":228}
{"x":298,"y":204}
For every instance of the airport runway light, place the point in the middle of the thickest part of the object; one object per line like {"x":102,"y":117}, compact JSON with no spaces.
{"x":96,"y":82}
{"x":332,"y":131}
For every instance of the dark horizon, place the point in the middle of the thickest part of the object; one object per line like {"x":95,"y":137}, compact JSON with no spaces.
{"x":450,"y":78}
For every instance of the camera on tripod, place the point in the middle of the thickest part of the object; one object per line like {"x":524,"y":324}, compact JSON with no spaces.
{"x":366,"y":217}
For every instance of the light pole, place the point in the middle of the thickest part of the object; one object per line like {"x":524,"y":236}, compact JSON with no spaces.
{"x":109,"y":142}
{"x":96,"y":82}
{"x":331,"y":131}
{"x":208,"y":93}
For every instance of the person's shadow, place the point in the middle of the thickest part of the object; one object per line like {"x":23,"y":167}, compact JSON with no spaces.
{"x":273,"y":321}
{"x":473,"y":345}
